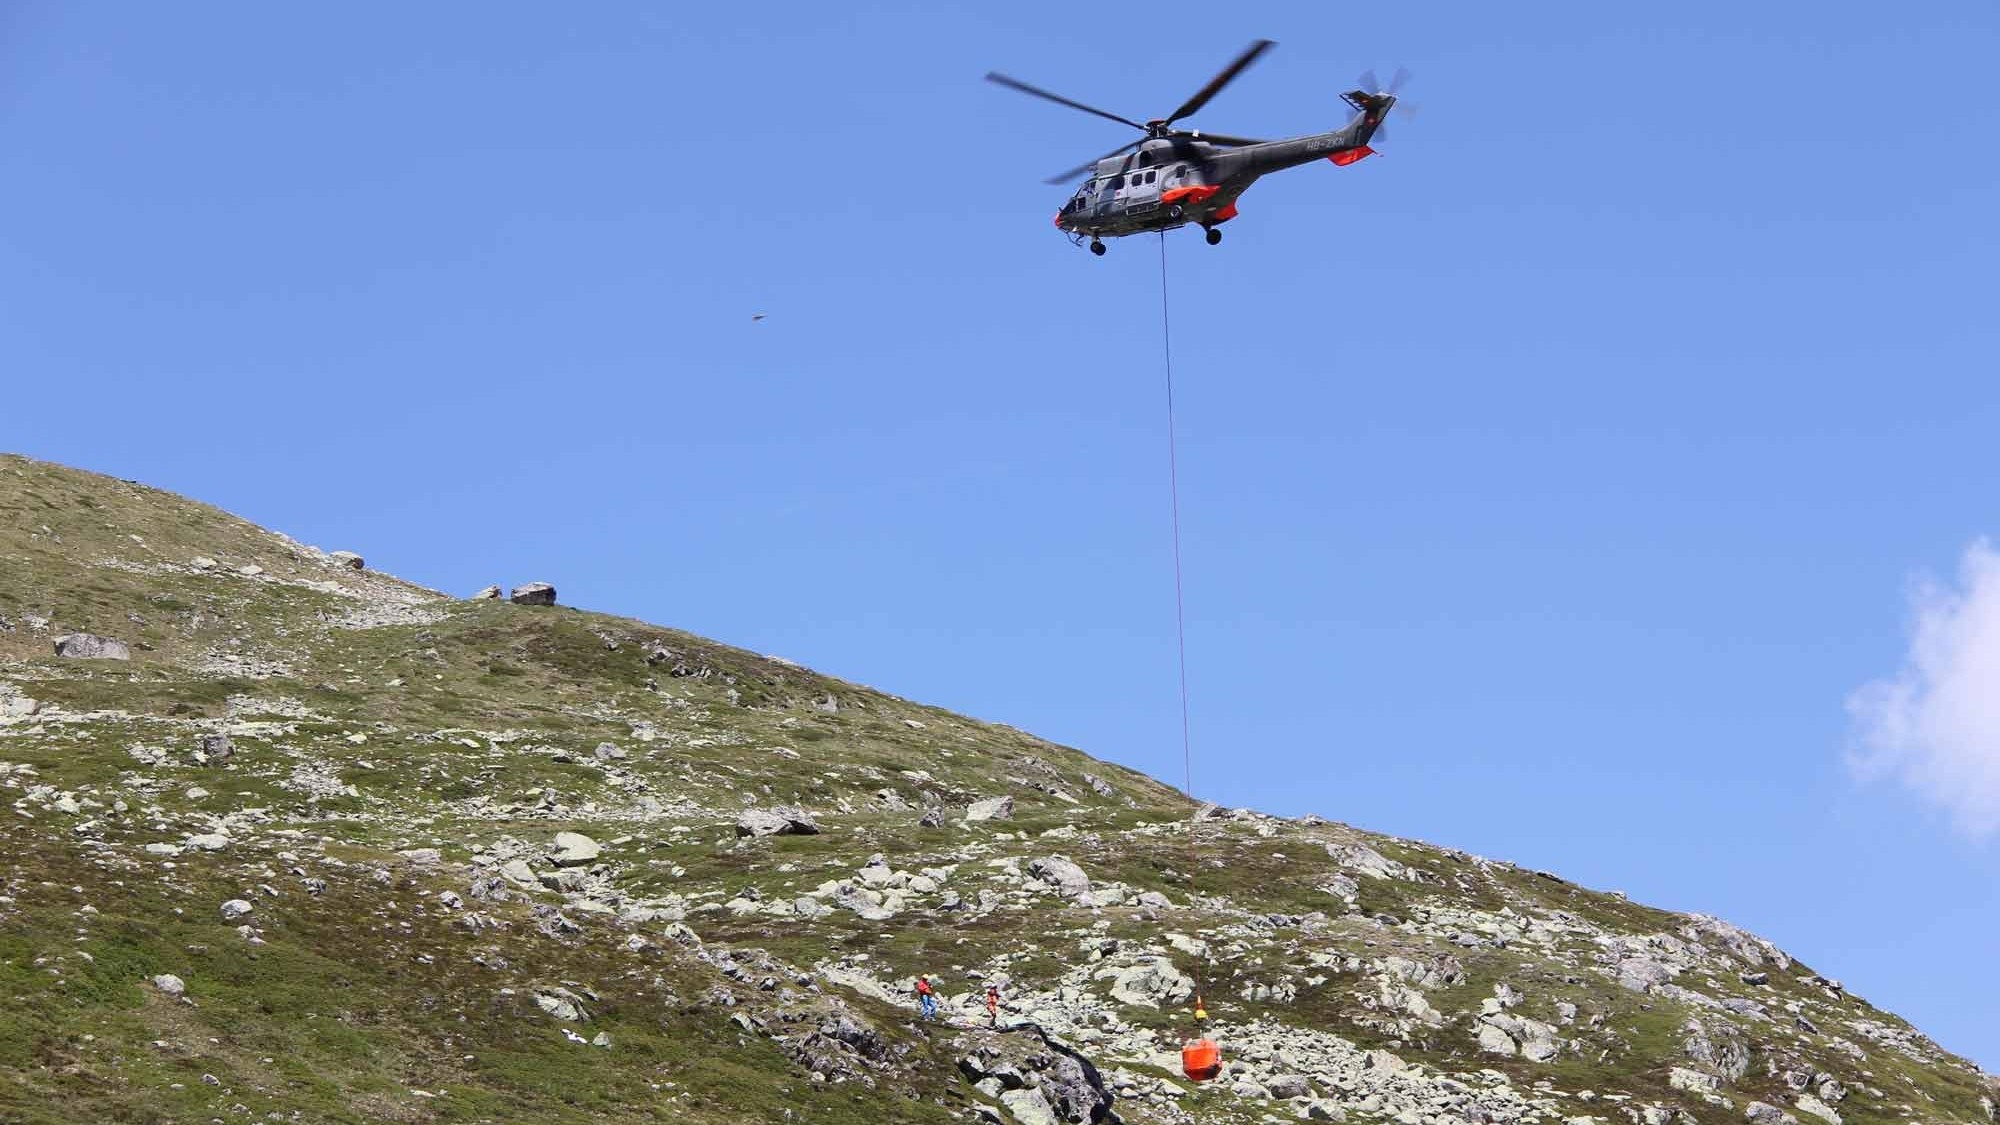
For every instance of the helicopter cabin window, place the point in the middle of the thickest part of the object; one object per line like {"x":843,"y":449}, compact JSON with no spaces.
{"x":1151,"y":176}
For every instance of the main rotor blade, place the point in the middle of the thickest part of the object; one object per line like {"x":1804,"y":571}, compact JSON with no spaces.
{"x":1216,"y":138}
{"x":1368,"y":83}
{"x":1016,"y":84}
{"x":1080,"y":169}
{"x":1397,"y":79}
{"x":1216,"y":84}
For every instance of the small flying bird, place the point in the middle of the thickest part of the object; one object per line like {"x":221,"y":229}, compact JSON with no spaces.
{"x":756,"y":317}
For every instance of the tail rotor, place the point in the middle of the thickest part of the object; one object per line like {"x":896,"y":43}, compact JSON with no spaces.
{"x":1369,"y":85}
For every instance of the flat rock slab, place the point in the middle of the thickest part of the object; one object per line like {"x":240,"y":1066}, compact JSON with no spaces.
{"x":776,"y":822}
{"x":533,"y":593}
{"x":993,"y":808}
{"x":90,"y":646}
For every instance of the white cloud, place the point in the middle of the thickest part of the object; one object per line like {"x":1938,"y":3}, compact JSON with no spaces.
{"x":1935,"y":725}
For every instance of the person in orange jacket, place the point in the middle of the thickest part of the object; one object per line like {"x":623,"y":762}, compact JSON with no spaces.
{"x":993,"y":1003}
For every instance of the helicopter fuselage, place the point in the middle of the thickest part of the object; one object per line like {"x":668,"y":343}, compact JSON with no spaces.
{"x":1171,"y":182}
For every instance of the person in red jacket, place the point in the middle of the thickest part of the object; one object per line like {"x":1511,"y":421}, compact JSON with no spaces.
{"x":926,"y":996}
{"x":993,"y":1003}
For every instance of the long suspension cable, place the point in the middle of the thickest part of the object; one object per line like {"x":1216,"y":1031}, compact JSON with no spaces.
{"x":1180,"y":610}
{"x":1174,"y":495}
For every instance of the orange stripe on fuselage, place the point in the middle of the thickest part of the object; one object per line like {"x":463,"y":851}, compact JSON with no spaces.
{"x":1192,"y":193}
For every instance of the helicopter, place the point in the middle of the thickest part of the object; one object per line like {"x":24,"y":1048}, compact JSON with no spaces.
{"x":1172,"y":177}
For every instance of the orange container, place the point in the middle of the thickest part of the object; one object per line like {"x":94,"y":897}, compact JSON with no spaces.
{"x":1201,"y":1059}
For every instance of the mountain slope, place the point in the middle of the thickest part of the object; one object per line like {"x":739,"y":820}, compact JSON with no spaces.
{"x":332,"y":847}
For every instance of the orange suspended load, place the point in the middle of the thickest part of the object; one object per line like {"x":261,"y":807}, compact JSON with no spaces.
{"x":1201,"y":1059}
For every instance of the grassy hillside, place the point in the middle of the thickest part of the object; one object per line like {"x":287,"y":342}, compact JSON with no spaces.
{"x":379,"y":774}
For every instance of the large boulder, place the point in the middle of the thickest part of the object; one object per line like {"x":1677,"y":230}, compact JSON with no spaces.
{"x":90,"y":646}
{"x":574,"y":849}
{"x":1067,"y":878}
{"x":487,"y":594}
{"x":1153,"y":983}
{"x":776,"y":822}
{"x":533,"y":593}
{"x":348,"y":559}
{"x":992,"y":808}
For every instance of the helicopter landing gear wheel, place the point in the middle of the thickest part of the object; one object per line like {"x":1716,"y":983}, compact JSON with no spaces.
{"x":1097,"y":247}
{"x":1214,"y":236}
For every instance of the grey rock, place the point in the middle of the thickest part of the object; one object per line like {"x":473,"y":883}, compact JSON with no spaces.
{"x":533,"y":593}
{"x":90,"y":646}
{"x":1030,"y":1107}
{"x":1641,"y":974}
{"x":932,"y":818}
{"x":782,"y":821}
{"x":574,"y":849}
{"x":1153,"y":983}
{"x":209,"y":841}
{"x":567,"y":880}
{"x":1766,"y":1114}
{"x":1066,"y":877}
{"x":487,"y":594}
{"x":1694,"y":1081}
{"x":562,"y":1004}
{"x":1075,"y":1091}
{"x":609,"y":752}
{"x":170,"y":985}
{"x":348,"y":559}
{"x":235,"y":908}
{"x":992,"y":808}
{"x":518,"y":872}
{"x":1288,"y":1086}
{"x":1365,"y":860}
{"x":214,"y":748}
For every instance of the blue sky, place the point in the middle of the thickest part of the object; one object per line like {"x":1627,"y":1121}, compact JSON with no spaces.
{"x":1549,"y":485}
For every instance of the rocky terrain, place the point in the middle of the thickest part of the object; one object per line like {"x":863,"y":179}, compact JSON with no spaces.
{"x":286,"y":839}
